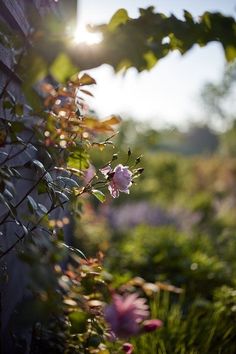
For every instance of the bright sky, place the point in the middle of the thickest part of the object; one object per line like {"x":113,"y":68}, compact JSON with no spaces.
{"x":168,"y":94}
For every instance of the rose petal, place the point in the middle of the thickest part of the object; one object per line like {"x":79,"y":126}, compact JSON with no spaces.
{"x":114,"y":191}
{"x":105,"y":170}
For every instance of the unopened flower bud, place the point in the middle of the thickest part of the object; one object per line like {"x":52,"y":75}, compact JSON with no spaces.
{"x":137,"y":161}
{"x":114,"y":157}
{"x":128,"y":348}
{"x":152,"y":325}
{"x":140,"y":170}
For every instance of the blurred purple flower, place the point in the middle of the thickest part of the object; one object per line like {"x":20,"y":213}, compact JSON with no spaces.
{"x":125,"y":314}
{"x":128,"y":348}
{"x":129,"y":215}
{"x":120,"y":179}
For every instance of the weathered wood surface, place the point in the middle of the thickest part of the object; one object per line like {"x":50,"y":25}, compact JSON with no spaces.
{"x":12,"y":11}
{"x":14,"y":14}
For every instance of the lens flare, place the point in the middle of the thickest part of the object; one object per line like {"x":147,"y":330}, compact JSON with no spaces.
{"x":82,"y":35}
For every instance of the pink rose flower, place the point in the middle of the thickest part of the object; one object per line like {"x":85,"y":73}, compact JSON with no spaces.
{"x":152,"y":325}
{"x":120,"y":179}
{"x":128,"y":348}
{"x":125,"y":314}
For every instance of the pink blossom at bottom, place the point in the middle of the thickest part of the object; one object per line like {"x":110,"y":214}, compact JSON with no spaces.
{"x":125,"y":314}
{"x":128,"y":348}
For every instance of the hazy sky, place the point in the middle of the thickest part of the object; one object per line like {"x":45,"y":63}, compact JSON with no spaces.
{"x":168,"y":94}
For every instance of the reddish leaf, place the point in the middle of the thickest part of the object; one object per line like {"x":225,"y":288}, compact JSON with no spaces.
{"x":113,"y":120}
{"x":86,"y":80}
{"x":86,"y":92}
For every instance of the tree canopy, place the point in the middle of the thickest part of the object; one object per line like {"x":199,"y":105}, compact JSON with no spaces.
{"x":141,"y":42}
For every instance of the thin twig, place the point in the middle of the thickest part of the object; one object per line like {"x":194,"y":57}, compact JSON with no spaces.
{"x":25,"y":196}
{"x":53,"y":207}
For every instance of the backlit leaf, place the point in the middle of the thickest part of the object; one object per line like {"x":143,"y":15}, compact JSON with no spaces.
{"x":150,"y":59}
{"x":120,"y":17}
{"x":87,"y":92}
{"x":32,"y":204}
{"x":39,"y":165}
{"x":78,"y":160}
{"x":7,"y":105}
{"x":19,"y":109}
{"x":113,"y":120}
{"x":86,"y":80}
{"x":99,"y":195}
{"x":230,"y":52}
{"x":78,"y":321}
{"x":62,"y":68}
{"x":75,"y":250}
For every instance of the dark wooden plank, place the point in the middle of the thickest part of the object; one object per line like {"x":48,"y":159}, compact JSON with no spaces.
{"x":7,"y":63}
{"x":10,"y":73}
{"x":14,"y":15}
{"x":6,"y":57}
{"x":14,"y":86}
{"x":45,"y":6}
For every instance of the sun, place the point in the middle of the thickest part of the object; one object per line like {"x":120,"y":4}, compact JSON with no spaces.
{"x":82,"y":35}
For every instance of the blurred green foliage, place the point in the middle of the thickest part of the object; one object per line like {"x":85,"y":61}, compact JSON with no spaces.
{"x":209,"y":327}
{"x":193,"y":250}
{"x":144,"y":40}
{"x":164,"y":254}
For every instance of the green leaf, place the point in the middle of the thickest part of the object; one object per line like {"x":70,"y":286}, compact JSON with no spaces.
{"x":120,"y":17}
{"x":19,"y":109}
{"x":7,"y":194}
{"x":188,"y":17}
{"x":25,"y":229}
{"x":32,"y":97}
{"x":7,"y":105}
{"x":75,"y":250}
{"x":79,"y":160}
{"x":9,"y":206}
{"x":99,"y":195}
{"x":230,"y":52}
{"x":67,"y":182}
{"x":78,"y":321}
{"x":48,"y":178}
{"x":86,"y":80}
{"x":42,"y":208}
{"x":39,"y":165}
{"x":62,"y":68}
{"x":86,"y":92}
{"x":42,"y":187}
{"x":62,"y":195}
{"x":150,"y":59}
{"x":32,"y":204}
{"x":17,"y":127}
{"x":36,"y":70}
